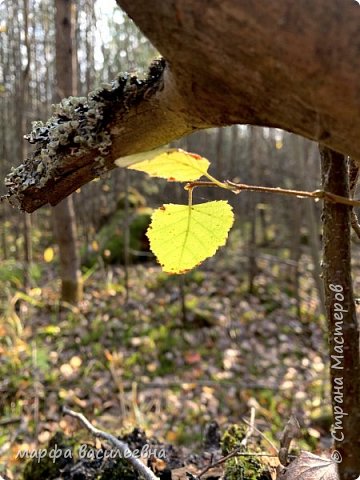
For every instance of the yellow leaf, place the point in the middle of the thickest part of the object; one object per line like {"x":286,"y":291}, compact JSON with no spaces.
{"x":182,"y":236}
{"x":171,"y":436}
{"x":66,"y":369}
{"x":49,"y":254}
{"x":75,"y":362}
{"x":139,"y":157}
{"x":279,"y":144}
{"x":173,"y":164}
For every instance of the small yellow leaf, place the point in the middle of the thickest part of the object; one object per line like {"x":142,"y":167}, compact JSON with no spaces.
{"x":95,"y":246}
{"x":279,"y":144}
{"x":75,"y":362}
{"x":182,"y":236}
{"x":172,"y":164}
{"x":66,"y":369}
{"x":171,"y":436}
{"x":49,"y":254}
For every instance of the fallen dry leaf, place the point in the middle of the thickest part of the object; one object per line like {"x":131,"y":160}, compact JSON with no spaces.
{"x":310,"y":467}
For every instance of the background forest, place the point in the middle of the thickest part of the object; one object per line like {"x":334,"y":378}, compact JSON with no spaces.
{"x":140,"y":348}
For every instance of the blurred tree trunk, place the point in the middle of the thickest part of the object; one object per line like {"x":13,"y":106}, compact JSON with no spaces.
{"x":233,"y":164}
{"x":22,"y":100}
{"x":64,"y":216}
{"x":252,"y":249}
{"x":25,"y":87}
{"x":309,"y":157}
{"x":219,"y":166}
{"x":296,"y":221}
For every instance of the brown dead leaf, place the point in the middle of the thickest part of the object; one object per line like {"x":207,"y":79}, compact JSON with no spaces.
{"x":192,"y":357}
{"x":311,"y":467}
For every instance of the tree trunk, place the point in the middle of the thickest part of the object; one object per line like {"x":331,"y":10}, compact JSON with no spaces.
{"x":27,"y":250}
{"x":253,"y":199}
{"x":64,"y":216}
{"x":308,"y":156}
{"x":65,"y":229}
{"x":341,"y":315}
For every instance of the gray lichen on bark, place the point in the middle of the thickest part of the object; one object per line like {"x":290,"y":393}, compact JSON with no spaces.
{"x":79,"y":125}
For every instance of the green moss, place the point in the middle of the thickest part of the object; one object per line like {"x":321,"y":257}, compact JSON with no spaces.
{"x":241,"y":467}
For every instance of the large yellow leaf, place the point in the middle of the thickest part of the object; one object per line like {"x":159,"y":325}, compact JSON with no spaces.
{"x":171,"y":163}
{"x":182,"y":236}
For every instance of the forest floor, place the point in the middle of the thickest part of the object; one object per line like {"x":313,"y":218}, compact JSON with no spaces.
{"x":168,"y":355}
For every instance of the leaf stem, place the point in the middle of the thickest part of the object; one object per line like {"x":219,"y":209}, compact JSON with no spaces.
{"x":217,"y":182}
{"x":190,"y":195}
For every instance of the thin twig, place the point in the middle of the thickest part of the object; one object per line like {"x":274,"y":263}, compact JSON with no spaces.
{"x":262,"y":435}
{"x":316,"y":194}
{"x":251,"y":426}
{"x":122,"y":446}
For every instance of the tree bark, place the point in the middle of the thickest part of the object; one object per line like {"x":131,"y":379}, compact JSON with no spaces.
{"x":63,"y":213}
{"x":291,"y":65}
{"x":341,"y":315}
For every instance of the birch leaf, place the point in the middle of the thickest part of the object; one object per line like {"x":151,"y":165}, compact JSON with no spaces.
{"x":183,"y":236}
{"x":173,"y":164}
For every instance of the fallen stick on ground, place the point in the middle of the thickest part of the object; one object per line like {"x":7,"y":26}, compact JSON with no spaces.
{"x":122,"y":446}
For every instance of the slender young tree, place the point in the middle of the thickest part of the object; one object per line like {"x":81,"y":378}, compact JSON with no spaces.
{"x":64,"y":215}
{"x":24,"y":100}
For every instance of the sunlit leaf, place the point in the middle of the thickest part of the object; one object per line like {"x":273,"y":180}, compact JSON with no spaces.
{"x":183,"y":236}
{"x":49,"y":254}
{"x":173,"y":164}
{"x":49,"y":330}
